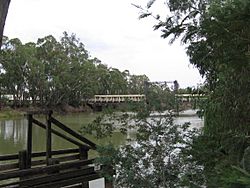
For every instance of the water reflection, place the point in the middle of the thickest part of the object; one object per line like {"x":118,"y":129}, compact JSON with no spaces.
{"x":13,"y":133}
{"x":190,"y":116}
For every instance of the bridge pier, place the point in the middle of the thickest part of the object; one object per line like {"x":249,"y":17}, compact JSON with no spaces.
{"x":95,"y":107}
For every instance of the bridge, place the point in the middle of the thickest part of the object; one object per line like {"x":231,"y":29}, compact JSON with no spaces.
{"x":98,"y":101}
{"x":116,"y":98}
{"x":188,"y":97}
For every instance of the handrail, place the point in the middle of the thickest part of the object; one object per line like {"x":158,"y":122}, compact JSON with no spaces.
{"x":73,"y":133}
{"x":39,"y":154}
{"x":59,"y":134}
{"x":49,"y":168}
{"x":44,"y":169}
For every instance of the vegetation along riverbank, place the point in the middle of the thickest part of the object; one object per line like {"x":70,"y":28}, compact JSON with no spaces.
{"x":52,"y":73}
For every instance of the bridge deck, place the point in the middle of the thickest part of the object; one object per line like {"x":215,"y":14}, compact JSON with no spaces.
{"x":116,"y":98}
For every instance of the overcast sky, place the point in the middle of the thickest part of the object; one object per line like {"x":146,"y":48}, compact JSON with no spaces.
{"x":110,"y":31}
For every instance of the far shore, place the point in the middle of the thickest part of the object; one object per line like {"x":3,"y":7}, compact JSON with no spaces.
{"x":9,"y":113}
{"x":13,"y":113}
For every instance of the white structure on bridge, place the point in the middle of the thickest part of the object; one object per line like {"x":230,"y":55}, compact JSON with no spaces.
{"x":116,"y":98}
{"x":188,"y":97}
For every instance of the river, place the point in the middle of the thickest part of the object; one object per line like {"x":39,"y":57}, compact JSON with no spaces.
{"x":13,"y":132}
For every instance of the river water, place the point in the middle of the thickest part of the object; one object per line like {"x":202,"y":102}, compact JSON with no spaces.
{"x":13,"y":132}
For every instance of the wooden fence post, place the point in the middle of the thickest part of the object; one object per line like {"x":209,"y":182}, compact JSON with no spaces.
{"x":29,"y":141}
{"x":54,"y":162}
{"x":22,"y":162}
{"x":48,"y":138}
{"x":22,"y":159}
{"x":83,"y":153}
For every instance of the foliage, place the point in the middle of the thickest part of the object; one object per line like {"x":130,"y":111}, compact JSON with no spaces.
{"x":217,"y":37}
{"x":154,"y":160}
{"x":157,"y":153}
{"x":51,"y":73}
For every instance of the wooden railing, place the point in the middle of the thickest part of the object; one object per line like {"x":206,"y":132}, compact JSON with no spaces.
{"x":59,"y":168}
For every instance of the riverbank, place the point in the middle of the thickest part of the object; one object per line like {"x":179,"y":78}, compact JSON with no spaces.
{"x":10,"y":113}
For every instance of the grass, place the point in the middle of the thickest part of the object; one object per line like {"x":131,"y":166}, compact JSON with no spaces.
{"x":8,"y":113}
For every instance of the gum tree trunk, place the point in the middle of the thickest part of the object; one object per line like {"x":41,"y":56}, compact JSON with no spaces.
{"x":4,"y":7}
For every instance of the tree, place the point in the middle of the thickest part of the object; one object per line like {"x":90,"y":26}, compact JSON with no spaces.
{"x":68,"y":70}
{"x":159,"y":152}
{"x":14,"y":64}
{"x":103,"y":79}
{"x":217,"y":37}
{"x":36,"y":83}
{"x":118,"y":82}
{"x":53,"y":73}
{"x":137,"y":84}
{"x":4,"y":7}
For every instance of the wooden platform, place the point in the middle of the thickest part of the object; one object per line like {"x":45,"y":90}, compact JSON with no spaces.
{"x":60,"y":168}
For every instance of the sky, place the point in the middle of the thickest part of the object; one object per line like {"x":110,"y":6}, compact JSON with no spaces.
{"x":110,"y":31}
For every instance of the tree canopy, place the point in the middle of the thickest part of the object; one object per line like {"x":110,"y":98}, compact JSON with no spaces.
{"x":51,"y":72}
{"x":217,"y":36}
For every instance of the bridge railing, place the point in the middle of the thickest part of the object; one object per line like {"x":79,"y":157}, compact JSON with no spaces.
{"x":116,"y":98}
{"x":189,"y":97}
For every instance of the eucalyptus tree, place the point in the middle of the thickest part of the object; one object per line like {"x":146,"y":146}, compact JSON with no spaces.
{"x":118,"y":82}
{"x":103,"y":79}
{"x":67,"y":69}
{"x":54,"y":72}
{"x":216,"y":34}
{"x":136,"y":84}
{"x":87,"y":77}
{"x":81,"y":69}
{"x":13,"y":64}
{"x":49,"y":52}
{"x":36,"y":82}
